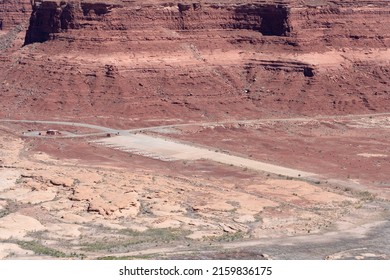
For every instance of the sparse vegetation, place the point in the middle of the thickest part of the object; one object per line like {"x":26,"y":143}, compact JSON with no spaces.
{"x":127,"y":238}
{"x":3,"y":213}
{"x":19,"y":180}
{"x":138,"y":257}
{"x":366,"y":196}
{"x":40,"y":249}
{"x":75,"y":182}
{"x":157,"y":234}
{"x":227,"y":237}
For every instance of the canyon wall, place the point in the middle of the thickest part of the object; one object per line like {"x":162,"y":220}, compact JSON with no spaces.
{"x":51,"y":18}
{"x":349,"y":24}
{"x":199,"y":60}
{"x":14,"y":13}
{"x":333,"y":25}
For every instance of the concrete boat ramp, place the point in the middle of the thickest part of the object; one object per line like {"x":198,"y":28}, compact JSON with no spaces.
{"x":168,"y":150}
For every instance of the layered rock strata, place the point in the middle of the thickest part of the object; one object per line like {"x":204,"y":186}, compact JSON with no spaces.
{"x":14,"y":13}
{"x":199,"y":60}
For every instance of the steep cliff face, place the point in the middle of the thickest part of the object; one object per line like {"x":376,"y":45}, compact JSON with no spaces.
{"x":14,"y":13}
{"x":338,"y":24}
{"x":50,"y":18}
{"x":200,"y":60}
{"x":347,"y":24}
{"x":14,"y":18}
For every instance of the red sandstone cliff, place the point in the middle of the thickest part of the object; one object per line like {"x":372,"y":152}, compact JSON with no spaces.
{"x":50,"y":18}
{"x":200,"y":60}
{"x":14,"y":13}
{"x":332,"y":25}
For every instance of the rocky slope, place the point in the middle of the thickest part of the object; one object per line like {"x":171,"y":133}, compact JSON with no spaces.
{"x":199,"y":60}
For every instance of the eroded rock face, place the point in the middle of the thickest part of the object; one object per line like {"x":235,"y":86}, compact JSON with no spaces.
{"x":343,"y":24}
{"x":336,"y":24}
{"x":44,"y":20}
{"x":14,"y":13}
{"x":51,"y":17}
{"x":269,"y":20}
{"x":200,"y":60}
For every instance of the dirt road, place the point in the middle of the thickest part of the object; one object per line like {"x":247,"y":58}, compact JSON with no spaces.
{"x":104,"y":129}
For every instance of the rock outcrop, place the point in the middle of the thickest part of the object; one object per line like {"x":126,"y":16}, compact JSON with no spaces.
{"x":51,"y":17}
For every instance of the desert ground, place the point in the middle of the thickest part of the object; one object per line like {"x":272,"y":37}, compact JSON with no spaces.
{"x":147,"y":193}
{"x":194,"y":129}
